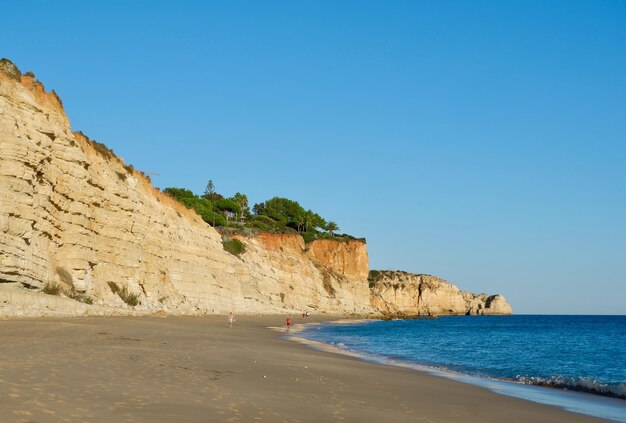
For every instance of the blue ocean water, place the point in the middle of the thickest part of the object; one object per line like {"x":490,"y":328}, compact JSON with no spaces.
{"x":574,"y":353}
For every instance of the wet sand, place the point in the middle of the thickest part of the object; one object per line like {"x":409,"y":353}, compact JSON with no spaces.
{"x":192,"y":369}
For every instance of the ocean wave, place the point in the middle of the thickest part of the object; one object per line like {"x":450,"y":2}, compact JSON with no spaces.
{"x":577,"y":384}
{"x":580,"y":384}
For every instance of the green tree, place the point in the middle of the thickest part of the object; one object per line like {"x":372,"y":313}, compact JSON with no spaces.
{"x":312,"y":220}
{"x":300,"y":221}
{"x":242,"y":201}
{"x":259,"y":209}
{"x":309,"y":221}
{"x":210,"y":188}
{"x":210,"y":193}
{"x":202,"y":206}
{"x":183,"y":195}
{"x":318,"y":221}
{"x":331,"y":227}
{"x":226,"y":206}
{"x":281,"y":209}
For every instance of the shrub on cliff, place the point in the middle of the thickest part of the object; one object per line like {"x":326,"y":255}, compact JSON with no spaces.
{"x":202,"y":206}
{"x":51,"y":288}
{"x":129,"y":298}
{"x":262,"y":226}
{"x":81,"y":297}
{"x":65,"y":277}
{"x":264,"y":219}
{"x":103,"y":150}
{"x":126,"y":296}
{"x":100,"y":148}
{"x":9,"y":68}
{"x":234,"y":246}
{"x":308,"y":237}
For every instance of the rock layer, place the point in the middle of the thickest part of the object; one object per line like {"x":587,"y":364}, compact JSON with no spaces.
{"x":406,"y":294}
{"x":72,"y":214}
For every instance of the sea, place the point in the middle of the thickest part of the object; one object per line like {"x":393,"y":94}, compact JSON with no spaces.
{"x":574,"y":362}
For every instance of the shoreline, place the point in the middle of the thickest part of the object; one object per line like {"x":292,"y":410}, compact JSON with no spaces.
{"x":576,"y":401}
{"x":197,"y":369}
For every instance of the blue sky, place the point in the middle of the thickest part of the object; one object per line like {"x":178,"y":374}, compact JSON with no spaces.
{"x":483,"y":142}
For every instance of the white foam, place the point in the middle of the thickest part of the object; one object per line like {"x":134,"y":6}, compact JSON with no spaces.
{"x":577,"y":402}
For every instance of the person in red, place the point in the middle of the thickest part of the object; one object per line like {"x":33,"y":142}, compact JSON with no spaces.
{"x":288,"y":321}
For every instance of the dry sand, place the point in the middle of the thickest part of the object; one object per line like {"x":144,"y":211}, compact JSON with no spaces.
{"x":191,"y":369}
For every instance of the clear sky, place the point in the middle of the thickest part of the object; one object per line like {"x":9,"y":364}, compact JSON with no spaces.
{"x":480,"y":141}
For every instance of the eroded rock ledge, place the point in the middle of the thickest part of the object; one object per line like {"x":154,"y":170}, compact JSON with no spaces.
{"x":397,"y":293}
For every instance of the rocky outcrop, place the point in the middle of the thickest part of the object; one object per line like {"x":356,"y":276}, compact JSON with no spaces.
{"x":398,"y":293}
{"x":75,"y":216}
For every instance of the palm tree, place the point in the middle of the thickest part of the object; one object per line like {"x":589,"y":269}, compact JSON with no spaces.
{"x":309,"y":220}
{"x":242,"y":201}
{"x":300,"y":221}
{"x":331,"y":227}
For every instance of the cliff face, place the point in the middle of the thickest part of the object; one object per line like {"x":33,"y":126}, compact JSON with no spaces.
{"x":72,"y":214}
{"x":401,"y":293}
{"x":284,"y":266}
{"x":347,"y":257}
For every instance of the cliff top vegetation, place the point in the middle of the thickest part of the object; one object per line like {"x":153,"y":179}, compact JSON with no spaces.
{"x":276,"y":215}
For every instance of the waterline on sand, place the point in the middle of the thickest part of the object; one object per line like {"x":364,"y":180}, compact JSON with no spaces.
{"x":578,"y":402}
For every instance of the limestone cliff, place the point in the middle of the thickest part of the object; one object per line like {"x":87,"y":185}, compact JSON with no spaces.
{"x":74,"y":215}
{"x":401,"y":293}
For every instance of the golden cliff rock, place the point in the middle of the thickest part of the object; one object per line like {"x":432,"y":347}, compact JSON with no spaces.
{"x":73,"y":215}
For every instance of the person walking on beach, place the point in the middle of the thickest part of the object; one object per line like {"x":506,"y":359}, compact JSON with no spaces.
{"x":288,"y":321}
{"x":231,"y":319}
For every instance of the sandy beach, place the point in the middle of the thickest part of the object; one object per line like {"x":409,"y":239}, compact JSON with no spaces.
{"x":192,"y":369}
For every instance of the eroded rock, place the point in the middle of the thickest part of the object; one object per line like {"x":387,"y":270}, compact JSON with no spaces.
{"x":398,"y":293}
